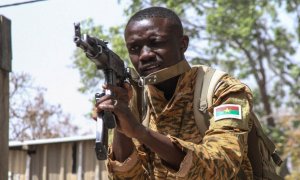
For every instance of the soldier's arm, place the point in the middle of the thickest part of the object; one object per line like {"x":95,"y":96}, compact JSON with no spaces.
{"x":126,"y":161}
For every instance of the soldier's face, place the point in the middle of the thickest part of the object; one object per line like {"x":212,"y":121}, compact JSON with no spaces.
{"x":154,"y":44}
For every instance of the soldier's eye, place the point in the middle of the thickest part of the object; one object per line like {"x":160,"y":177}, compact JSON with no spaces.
{"x":156,"y":43}
{"x":134,"y":49}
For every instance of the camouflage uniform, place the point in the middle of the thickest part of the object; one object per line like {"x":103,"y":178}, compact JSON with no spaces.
{"x":220,"y":154}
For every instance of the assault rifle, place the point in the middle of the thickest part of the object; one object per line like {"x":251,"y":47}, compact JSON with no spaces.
{"x":115,"y":73}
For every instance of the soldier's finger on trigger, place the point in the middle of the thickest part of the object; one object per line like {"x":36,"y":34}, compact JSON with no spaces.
{"x":102,"y":99}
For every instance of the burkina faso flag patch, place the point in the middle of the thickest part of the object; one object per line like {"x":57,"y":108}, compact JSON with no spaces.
{"x":227,"y":111}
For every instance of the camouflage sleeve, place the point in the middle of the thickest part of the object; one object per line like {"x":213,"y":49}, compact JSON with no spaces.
{"x":131,"y":168}
{"x":224,"y":145}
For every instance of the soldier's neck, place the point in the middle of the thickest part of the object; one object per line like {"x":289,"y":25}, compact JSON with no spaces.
{"x":168,"y":87}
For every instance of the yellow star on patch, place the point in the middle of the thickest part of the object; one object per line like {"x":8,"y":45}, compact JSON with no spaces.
{"x":226,"y":110}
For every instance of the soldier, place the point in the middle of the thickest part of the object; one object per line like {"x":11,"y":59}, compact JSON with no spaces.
{"x":171,"y":147}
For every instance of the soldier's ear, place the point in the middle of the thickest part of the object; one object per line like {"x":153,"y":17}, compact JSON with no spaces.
{"x":184,"y":43}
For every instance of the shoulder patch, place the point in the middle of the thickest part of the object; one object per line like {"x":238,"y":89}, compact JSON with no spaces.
{"x":227,"y":111}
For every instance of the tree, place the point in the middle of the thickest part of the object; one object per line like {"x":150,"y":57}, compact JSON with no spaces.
{"x":31,"y":117}
{"x":288,"y":143}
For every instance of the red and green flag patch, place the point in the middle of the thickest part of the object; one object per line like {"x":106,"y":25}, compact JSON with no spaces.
{"x":227,"y":111}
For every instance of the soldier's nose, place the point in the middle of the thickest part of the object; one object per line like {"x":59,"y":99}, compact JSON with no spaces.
{"x":146,"y":54}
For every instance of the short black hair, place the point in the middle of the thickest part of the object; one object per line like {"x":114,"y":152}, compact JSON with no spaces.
{"x":160,"y":12}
